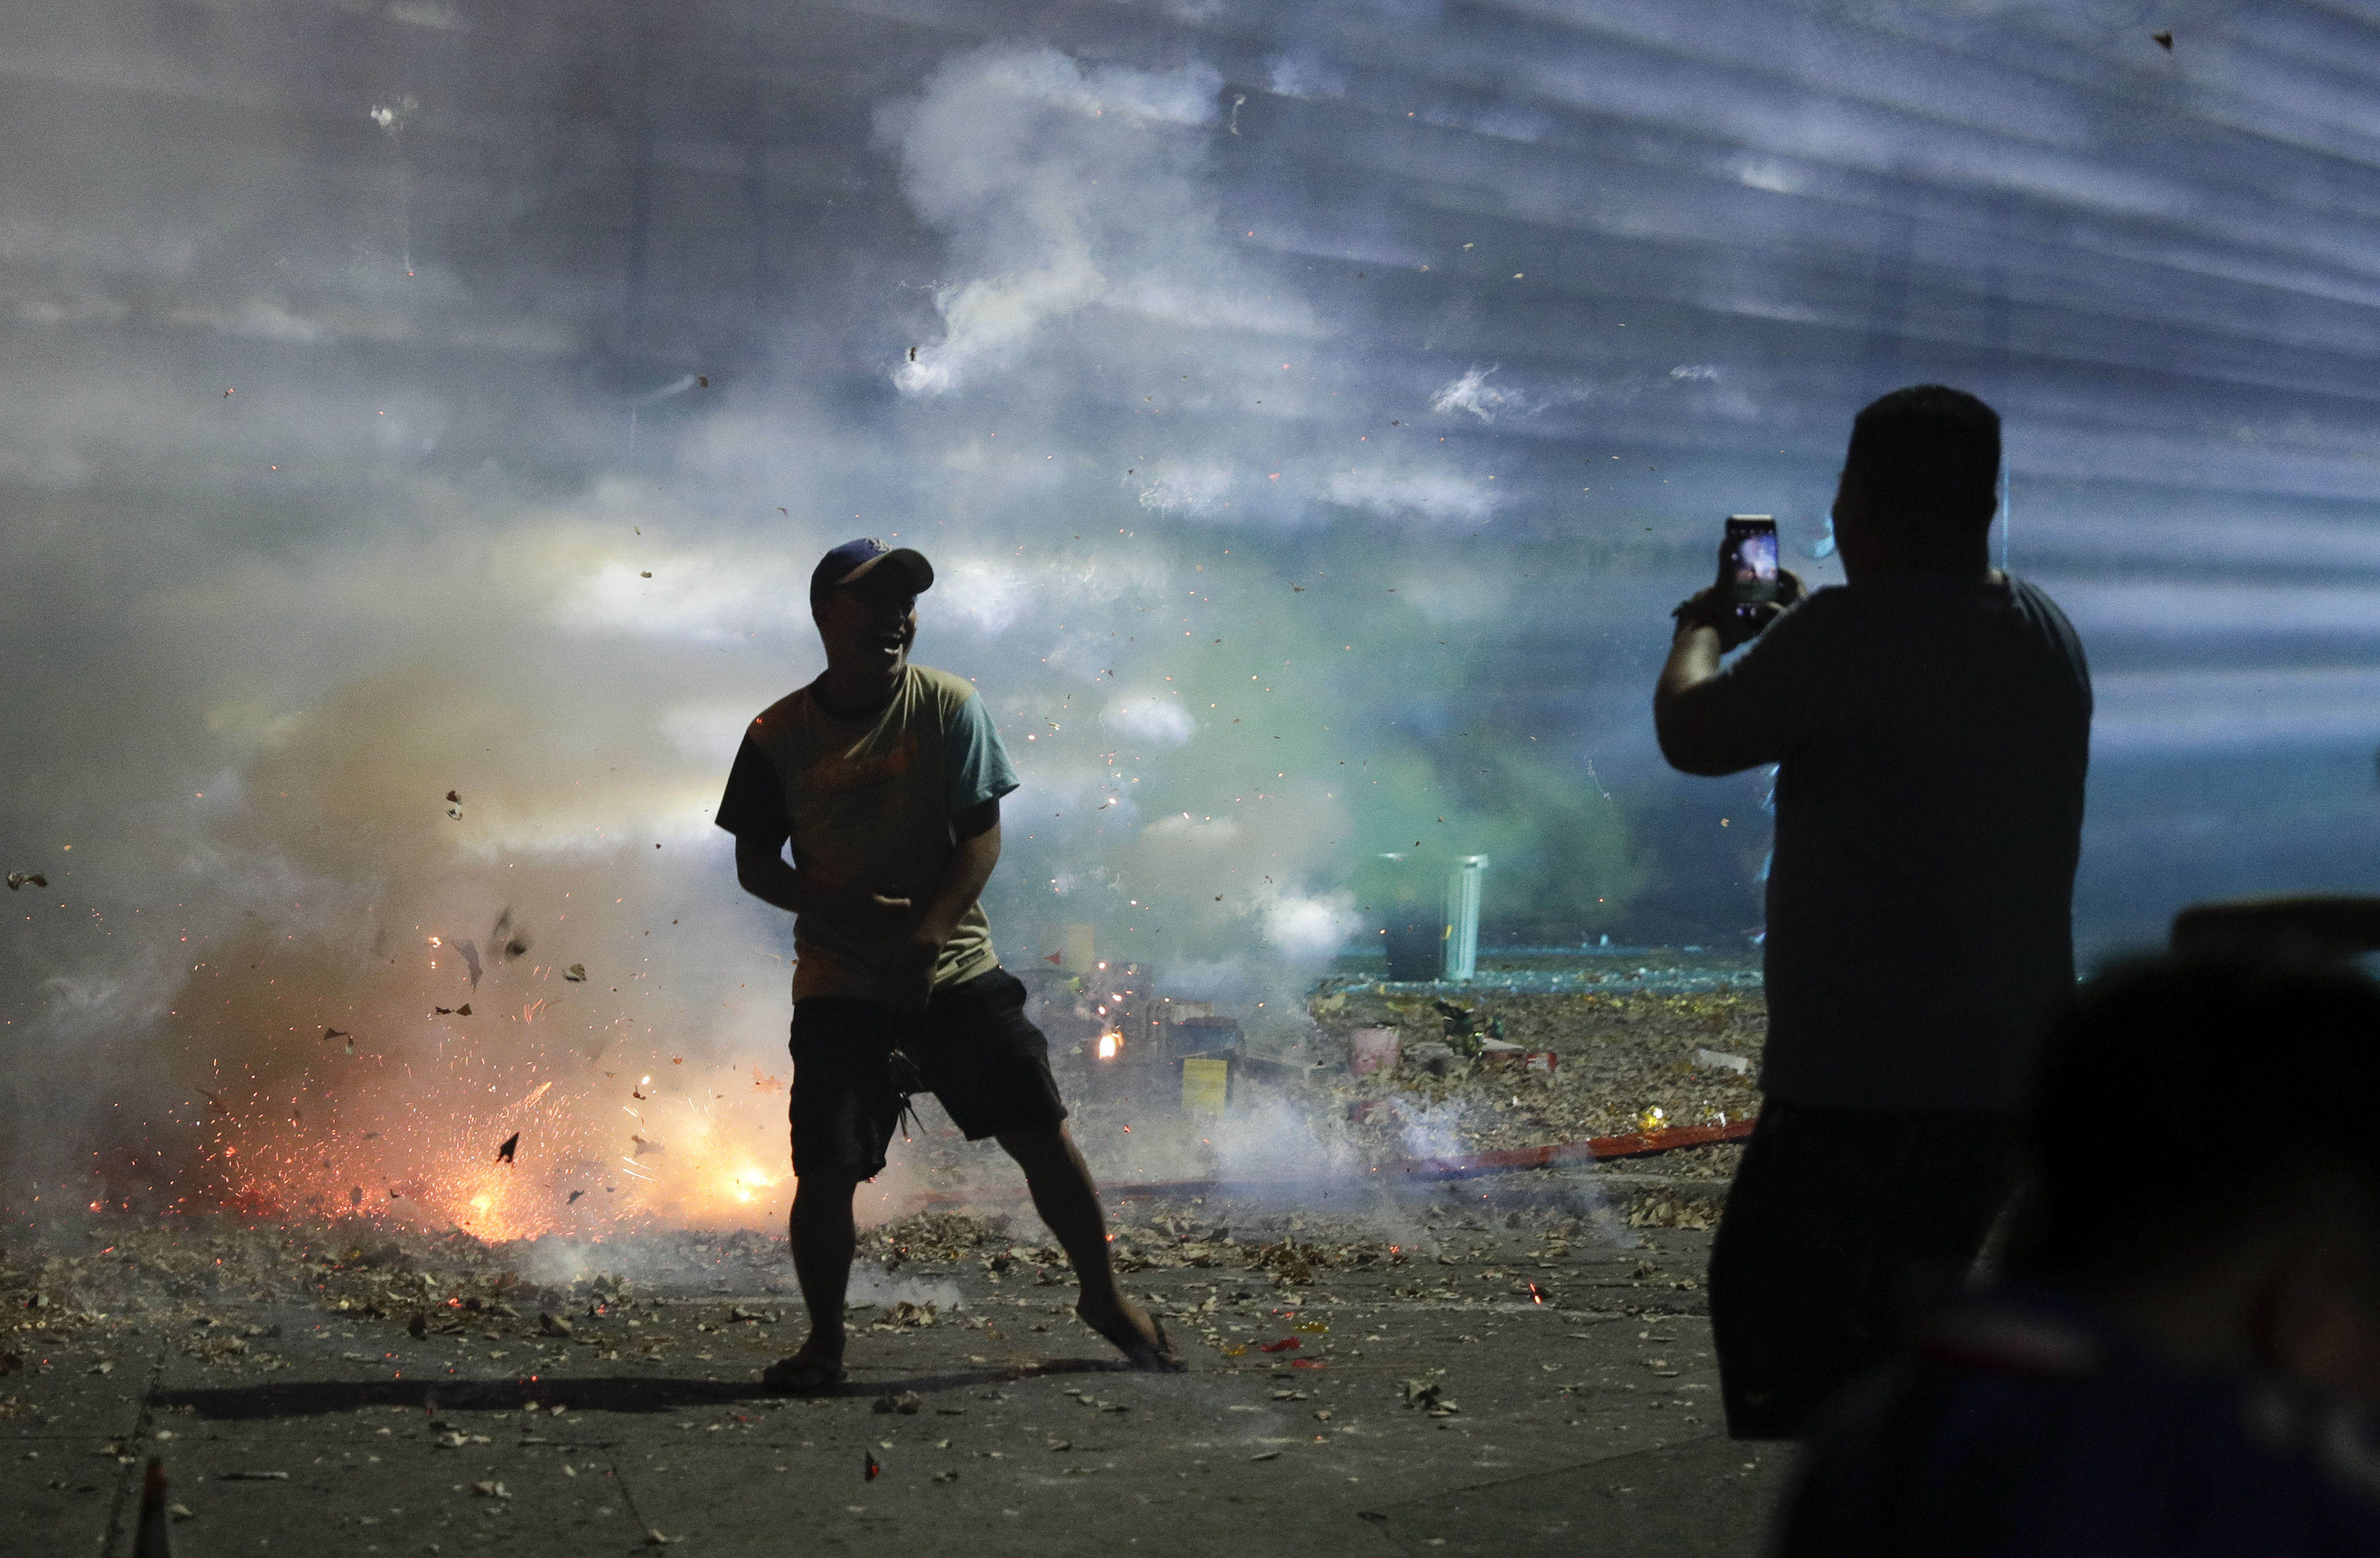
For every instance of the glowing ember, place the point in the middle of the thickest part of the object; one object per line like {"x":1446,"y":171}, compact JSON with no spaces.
{"x":1109,"y":1043}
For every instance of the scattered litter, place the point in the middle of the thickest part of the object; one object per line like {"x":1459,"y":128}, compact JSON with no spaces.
{"x":872,"y":1470}
{"x":1267,"y":1456}
{"x":551,"y":1323}
{"x":491,"y":1490}
{"x":1285,"y":1344}
{"x":1429,"y":1395}
{"x":653,"y":1538}
{"x":253,"y":1476}
{"x":949,"y":1476}
{"x":908,"y":1403}
{"x":1715,"y":1060}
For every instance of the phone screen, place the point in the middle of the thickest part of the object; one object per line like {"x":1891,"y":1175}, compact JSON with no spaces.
{"x":1747,"y":559}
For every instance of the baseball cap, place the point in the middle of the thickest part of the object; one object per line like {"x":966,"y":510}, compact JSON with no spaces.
{"x":855,"y":560}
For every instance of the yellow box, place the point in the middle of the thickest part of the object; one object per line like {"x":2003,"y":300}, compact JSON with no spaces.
{"x":1206,"y":1086}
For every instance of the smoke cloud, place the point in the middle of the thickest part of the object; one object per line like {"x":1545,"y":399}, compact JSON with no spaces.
{"x":1311,"y":413}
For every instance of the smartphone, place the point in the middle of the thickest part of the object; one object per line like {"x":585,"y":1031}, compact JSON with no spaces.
{"x":1747,"y":560}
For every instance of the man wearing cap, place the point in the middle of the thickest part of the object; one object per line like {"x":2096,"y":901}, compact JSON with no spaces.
{"x":886,"y":777}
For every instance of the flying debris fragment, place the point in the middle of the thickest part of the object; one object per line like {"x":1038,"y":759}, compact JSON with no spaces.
{"x":2162,"y":41}
{"x":354,"y":1195}
{"x":507,"y":945}
{"x":455,"y":805}
{"x":25,"y":878}
{"x":573,"y":1197}
{"x":471,"y":959}
{"x":576,"y":973}
{"x":215,"y":1104}
{"x":872,"y":1471}
{"x":703,"y":380}
{"x":644,"y":1147}
{"x":504,"y":1153}
{"x":330,"y":1033}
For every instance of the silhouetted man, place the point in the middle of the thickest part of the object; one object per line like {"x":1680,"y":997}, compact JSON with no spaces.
{"x":887,"y":778}
{"x":2192,"y":1308}
{"x":1931,"y":723}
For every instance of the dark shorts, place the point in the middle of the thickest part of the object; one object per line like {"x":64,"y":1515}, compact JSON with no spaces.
{"x":971,"y":1047}
{"x":1840,"y":1221}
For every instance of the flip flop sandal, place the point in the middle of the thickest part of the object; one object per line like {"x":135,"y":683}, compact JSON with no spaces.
{"x":787,"y":1377}
{"x":1145,"y":1358}
{"x":1161,"y":1358}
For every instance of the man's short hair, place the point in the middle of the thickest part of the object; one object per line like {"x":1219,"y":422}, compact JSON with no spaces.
{"x":1928,"y":453}
{"x":2178,"y":1103}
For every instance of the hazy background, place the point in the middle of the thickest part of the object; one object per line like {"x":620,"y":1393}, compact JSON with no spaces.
{"x":1313,"y":411}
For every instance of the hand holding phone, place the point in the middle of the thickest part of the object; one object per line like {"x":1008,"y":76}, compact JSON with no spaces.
{"x":1750,"y":590}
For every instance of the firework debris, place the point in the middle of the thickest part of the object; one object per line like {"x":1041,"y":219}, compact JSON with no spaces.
{"x":25,"y":878}
{"x":576,"y":973}
{"x":2162,"y":41}
{"x":573,"y":1195}
{"x":870,"y":1468}
{"x":504,"y":1153}
{"x":455,"y":805}
{"x":908,"y":1403}
{"x":471,"y":959}
{"x":330,"y":1033}
{"x":506,"y":944}
{"x":151,"y":1539}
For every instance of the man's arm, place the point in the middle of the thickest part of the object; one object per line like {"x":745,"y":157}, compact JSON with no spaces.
{"x":762,"y":870}
{"x":976,"y":830}
{"x":1686,"y":713}
{"x":976,"y":833}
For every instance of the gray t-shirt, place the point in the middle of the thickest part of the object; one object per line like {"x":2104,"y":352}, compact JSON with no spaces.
{"x":1932,"y":736}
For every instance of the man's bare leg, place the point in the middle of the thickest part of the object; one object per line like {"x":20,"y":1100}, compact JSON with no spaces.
{"x":1069,"y":1204}
{"x":823,"y":1237}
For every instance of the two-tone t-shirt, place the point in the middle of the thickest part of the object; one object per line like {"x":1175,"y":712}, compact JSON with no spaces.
{"x":868,"y":803}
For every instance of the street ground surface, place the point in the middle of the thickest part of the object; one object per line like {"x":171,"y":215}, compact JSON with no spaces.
{"x":1422,"y":1403}
{"x":1512,"y":1364}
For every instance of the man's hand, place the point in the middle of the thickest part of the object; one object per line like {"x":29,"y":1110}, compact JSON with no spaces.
{"x":1737,"y":625}
{"x":909,"y":976}
{"x":869,"y":915}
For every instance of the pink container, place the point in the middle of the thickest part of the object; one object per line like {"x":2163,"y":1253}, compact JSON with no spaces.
{"x":1372,"y":1049}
